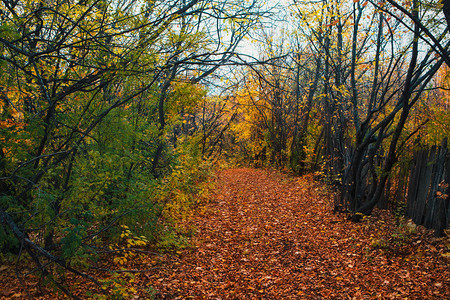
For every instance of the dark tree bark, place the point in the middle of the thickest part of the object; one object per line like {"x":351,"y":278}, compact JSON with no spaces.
{"x":446,"y":10}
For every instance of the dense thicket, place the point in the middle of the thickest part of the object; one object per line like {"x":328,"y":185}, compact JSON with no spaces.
{"x":103,"y":107}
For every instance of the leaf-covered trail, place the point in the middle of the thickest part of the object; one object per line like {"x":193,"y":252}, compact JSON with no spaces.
{"x":267,"y":236}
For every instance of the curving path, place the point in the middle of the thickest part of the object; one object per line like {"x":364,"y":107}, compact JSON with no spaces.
{"x":268,"y":236}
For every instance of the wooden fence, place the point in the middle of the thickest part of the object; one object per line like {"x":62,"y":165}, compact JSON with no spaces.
{"x":428,"y":188}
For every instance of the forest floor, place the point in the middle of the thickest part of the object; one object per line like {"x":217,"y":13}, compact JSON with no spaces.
{"x":265,"y":235}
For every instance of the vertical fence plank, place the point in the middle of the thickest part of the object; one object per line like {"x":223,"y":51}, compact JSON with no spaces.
{"x":412,"y":186}
{"x":437,"y":178}
{"x":424,"y":185}
{"x":443,"y":213}
{"x":428,"y":194}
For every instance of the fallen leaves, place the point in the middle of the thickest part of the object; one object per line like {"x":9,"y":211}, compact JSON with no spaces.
{"x":265,"y":235}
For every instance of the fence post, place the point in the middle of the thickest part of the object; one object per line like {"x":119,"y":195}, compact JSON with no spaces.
{"x":443,"y":212}
{"x":438,"y":176}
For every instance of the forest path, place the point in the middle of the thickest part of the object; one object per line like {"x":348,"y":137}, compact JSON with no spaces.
{"x":265,"y":235}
